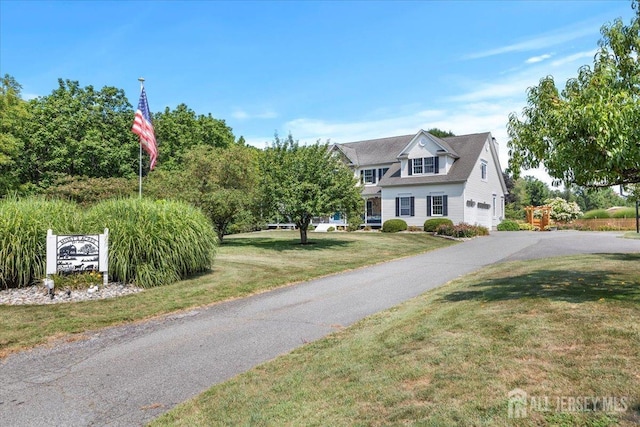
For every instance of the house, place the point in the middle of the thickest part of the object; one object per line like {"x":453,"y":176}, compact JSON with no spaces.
{"x":418,"y":177}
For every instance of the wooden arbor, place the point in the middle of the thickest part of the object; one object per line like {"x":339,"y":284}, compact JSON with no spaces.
{"x":538,"y":216}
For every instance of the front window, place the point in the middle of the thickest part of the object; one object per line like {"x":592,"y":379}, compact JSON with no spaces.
{"x":483,"y":170}
{"x":405,"y":206}
{"x":369,"y":176}
{"x":437,"y":205}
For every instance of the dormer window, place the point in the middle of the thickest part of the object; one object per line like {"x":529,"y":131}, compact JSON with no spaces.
{"x":429,"y":164}
{"x":417,"y":166}
{"x":424,"y":165}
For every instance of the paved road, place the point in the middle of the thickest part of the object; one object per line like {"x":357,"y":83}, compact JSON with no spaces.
{"x":128,"y":375}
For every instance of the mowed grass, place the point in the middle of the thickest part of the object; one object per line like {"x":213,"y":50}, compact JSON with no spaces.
{"x":559,"y":329}
{"x":245,"y":264}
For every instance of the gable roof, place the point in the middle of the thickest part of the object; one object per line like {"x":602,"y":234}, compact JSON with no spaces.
{"x":375,"y":151}
{"x":467,"y":147}
{"x":438,"y":141}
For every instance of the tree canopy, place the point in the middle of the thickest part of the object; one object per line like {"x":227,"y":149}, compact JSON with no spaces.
{"x":180,"y":129}
{"x":14,"y":114}
{"x":80,"y":131}
{"x":588,"y":133}
{"x":302,"y":181}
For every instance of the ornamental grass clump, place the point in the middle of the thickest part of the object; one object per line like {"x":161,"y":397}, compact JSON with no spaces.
{"x":154,"y":243}
{"x":624,"y":213}
{"x":23,"y":235}
{"x":596,"y":213}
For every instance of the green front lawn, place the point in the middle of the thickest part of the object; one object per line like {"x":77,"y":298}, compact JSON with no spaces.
{"x":245,"y":264}
{"x":559,"y":329}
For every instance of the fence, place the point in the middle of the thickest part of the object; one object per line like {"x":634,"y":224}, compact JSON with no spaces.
{"x":605,"y":224}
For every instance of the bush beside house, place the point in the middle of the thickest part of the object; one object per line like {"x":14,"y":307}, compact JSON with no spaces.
{"x":508,"y":225}
{"x":462,"y":230}
{"x":431,"y":225}
{"x":394,"y":225}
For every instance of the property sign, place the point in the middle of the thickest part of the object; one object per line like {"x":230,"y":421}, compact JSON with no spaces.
{"x":77,"y":253}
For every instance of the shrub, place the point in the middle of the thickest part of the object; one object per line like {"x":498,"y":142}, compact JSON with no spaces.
{"x":462,"y":230}
{"x":150,"y":243}
{"x":88,"y":191}
{"x":432,"y":224}
{"x":508,"y":225}
{"x":154,"y":243}
{"x":624,"y":213}
{"x":23,"y":235}
{"x":330,"y":229}
{"x":526,"y":226}
{"x":563,"y":211}
{"x":596,"y":213}
{"x":394,"y":225}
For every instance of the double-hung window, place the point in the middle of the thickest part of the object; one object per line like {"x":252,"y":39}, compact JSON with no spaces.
{"x":483,"y":170}
{"x":417,"y":166}
{"x":437,"y":205}
{"x":369,"y":176}
{"x":429,"y":164}
{"x":405,"y":206}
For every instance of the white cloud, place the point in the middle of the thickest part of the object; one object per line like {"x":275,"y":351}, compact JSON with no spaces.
{"x":575,"y":57}
{"x":542,"y":41}
{"x":310,"y":130}
{"x":239,"y":114}
{"x":510,"y":87}
{"x":540,"y":58}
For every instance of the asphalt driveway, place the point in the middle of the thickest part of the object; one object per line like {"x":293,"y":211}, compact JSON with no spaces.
{"x":128,"y":375}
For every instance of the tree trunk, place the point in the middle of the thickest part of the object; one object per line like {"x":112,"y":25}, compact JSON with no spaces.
{"x":303,"y":235}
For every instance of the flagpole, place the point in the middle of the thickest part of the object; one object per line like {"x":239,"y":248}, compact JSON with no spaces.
{"x":141,"y":80}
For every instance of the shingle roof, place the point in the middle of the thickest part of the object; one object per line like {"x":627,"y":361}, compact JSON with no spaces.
{"x":468,"y":147}
{"x":375,"y":151}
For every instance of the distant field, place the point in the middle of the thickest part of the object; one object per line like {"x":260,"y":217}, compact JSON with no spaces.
{"x":245,"y":264}
{"x":565,"y":331}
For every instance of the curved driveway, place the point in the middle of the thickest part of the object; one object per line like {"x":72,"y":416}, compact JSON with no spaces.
{"x":128,"y":375}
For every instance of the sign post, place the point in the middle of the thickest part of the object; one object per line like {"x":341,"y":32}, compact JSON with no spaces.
{"x":77,"y":253}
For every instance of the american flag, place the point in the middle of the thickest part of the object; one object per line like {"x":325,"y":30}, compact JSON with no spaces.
{"x":143,"y":127}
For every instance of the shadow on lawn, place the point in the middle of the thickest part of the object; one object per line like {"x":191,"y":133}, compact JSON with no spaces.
{"x":285,"y":245}
{"x":571,"y":285}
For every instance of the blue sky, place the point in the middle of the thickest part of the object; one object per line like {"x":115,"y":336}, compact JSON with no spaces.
{"x":343,"y":71}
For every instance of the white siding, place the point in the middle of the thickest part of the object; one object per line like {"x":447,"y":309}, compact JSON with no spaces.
{"x":482,"y":191}
{"x":454,"y":193}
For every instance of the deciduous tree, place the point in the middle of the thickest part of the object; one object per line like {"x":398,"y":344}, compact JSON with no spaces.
{"x":588,"y":133}
{"x":79,"y":131}
{"x":181,"y":129}
{"x":302,"y":181}
{"x":14,"y":114}
{"x":222,"y":182}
